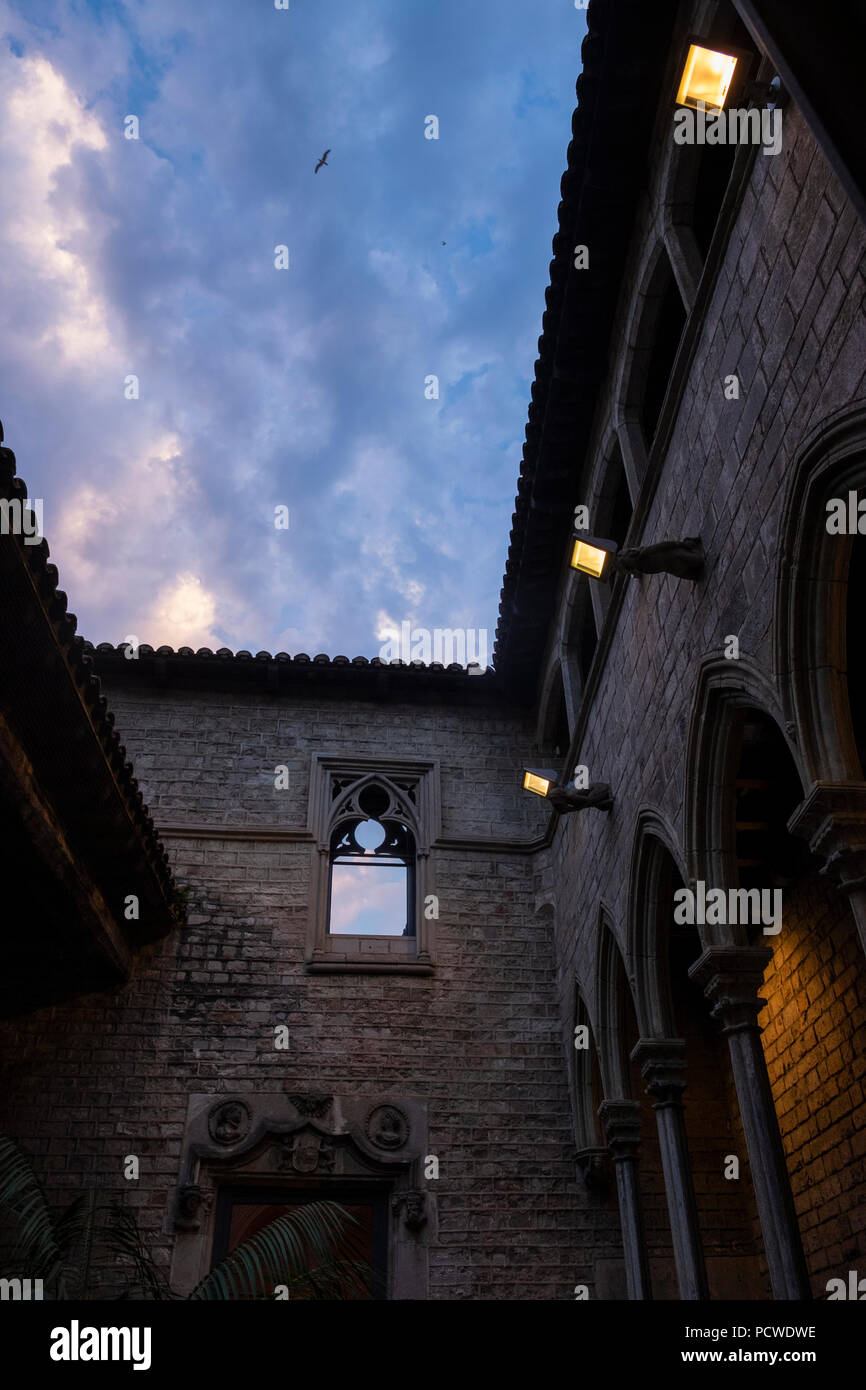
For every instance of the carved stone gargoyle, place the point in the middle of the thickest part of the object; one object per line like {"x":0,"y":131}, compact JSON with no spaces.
{"x":684,"y":559}
{"x":190,"y":1200}
{"x":564,"y":799}
{"x":414,"y":1206}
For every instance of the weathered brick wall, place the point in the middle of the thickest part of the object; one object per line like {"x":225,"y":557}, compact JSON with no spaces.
{"x":814,"y":1026}
{"x":480,"y":1040}
{"x":787,"y":316}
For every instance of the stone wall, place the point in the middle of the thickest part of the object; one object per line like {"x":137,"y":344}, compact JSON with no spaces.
{"x":787,"y":317}
{"x":479,"y":1041}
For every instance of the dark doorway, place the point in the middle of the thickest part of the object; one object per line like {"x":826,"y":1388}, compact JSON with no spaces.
{"x":243,"y":1211}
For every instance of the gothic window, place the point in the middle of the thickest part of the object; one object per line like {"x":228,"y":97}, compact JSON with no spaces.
{"x":371,"y":888}
{"x":373,"y":904}
{"x":582,"y":635}
{"x":661,"y":330}
{"x":614,"y":508}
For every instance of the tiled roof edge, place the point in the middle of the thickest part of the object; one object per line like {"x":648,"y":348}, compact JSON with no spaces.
{"x":77,"y":654}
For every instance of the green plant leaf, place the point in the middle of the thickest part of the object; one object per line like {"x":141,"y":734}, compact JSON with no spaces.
{"x":21,"y":1195}
{"x":310,"y":1243}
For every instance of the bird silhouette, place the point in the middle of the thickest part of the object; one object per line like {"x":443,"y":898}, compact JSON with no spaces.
{"x":322,"y":161}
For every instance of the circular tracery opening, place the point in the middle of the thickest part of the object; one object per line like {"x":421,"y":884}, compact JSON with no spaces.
{"x":370,"y":834}
{"x":374,"y":802}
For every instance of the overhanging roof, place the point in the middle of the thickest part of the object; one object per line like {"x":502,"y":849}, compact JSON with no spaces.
{"x":77,"y":839}
{"x":624,"y":58}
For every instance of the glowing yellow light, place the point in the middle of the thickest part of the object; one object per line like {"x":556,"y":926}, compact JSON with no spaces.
{"x":588,"y":559}
{"x":707,"y":77}
{"x":533,"y":783}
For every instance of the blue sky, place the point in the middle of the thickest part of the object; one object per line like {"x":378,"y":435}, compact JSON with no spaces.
{"x":302,"y":388}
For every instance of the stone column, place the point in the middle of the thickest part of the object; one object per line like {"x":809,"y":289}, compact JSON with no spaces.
{"x":621,"y":1120}
{"x":731,"y":977}
{"x":663,"y":1066}
{"x":833,"y":820}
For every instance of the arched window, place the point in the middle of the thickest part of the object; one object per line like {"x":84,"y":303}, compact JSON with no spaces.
{"x":661,"y":330}
{"x":371,"y":877}
{"x":614,"y":508}
{"x":856,"y":656}
{"x":587,"y":1090}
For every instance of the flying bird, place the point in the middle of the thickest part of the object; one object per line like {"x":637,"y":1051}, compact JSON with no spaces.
{"x":323,"y":160}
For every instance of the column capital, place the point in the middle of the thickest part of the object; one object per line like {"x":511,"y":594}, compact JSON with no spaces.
{"x":622,"y":1125}
{"x":593,"y":1164}
{"x":662,"y":1064}
{"x":731,"y":977}
{"x":833,"y":821}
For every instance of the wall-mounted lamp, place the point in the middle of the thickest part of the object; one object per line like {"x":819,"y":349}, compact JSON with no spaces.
{"x":707,"y":77}
{"x":590,"y":556}
{"x":601,"y":559}
{"x":544,"y":782}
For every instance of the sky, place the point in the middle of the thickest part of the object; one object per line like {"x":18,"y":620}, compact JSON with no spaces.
{"x":234,"y":454}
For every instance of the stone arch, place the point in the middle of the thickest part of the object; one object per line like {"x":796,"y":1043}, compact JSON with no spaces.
{"x":810,"y":605}
{"x":585,"y":1073}
{"x":400,"y":804}
{"x":656,"y":318}
{"x":744,"y":797}
{"x":724,"y":689}
{"x":614,"y":999}
{"x":555,"y":719}
{"x":654,"y":851}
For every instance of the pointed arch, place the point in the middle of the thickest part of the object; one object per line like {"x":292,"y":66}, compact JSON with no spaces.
{"x":654,"y":331}
{"x":586,"y":1081}
{"x":724,"y":690}
{"x":656,"y":864}
{"x":811,"y":636}
{"x":614,"y":1011}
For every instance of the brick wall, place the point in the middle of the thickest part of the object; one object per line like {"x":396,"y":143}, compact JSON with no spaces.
{"x":813,"y":1041}
{"x":479,"y":1041}
{"x":787,"y":315}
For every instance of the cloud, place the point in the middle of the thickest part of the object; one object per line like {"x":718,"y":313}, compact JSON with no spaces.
{"x":46,"y":220}
{"x":261,"y":387}
{"x":183,"y":614}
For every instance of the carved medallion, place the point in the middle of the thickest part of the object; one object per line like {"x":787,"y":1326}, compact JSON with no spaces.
{"x":229,"y":1122}
{"x":387,"y":1127}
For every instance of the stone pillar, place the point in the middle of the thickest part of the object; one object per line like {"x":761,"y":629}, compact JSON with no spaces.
{"x":833,"y":820}
{"x":663,"y":1066}
{"x":621,"y":1120}
{"x":731,"y":977}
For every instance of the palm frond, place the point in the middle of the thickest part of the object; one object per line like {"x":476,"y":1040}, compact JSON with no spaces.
{"x":22,"y":1198}
{"x":299,"y":1246}
{"x":75,"y":1234}
{"x":123,"y":1239}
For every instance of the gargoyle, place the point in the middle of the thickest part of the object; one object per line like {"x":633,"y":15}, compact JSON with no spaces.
{"x":685,"y":559}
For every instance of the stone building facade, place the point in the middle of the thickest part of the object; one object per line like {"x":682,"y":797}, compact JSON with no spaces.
{"x":554,"y":1082}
